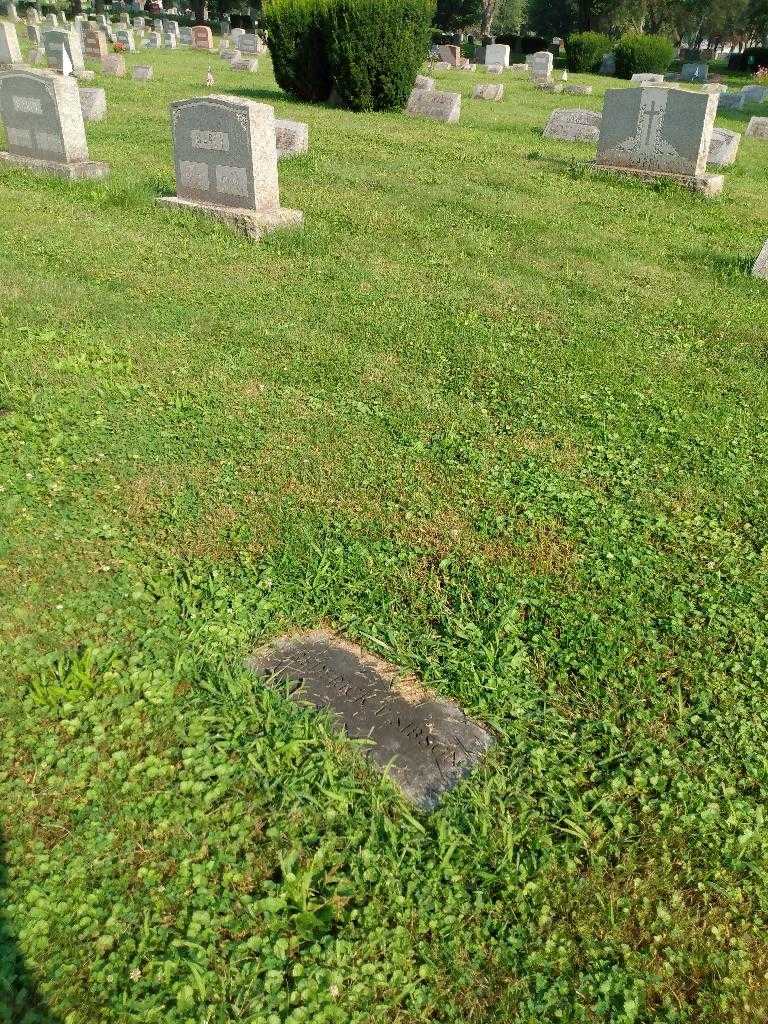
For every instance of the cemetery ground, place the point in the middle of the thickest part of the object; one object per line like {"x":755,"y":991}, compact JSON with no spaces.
{"x":500,"y":421}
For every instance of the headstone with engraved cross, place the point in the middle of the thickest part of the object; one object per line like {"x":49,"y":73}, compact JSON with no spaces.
{"x":656,"y":133}
{"x":225,"y":157}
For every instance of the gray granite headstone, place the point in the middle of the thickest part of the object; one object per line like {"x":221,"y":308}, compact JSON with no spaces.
{"x":695,"y":71}
{"x":571,"y":124}
{"x":608,"y":64}
{"x":540,"y":64}
{"x":51,"y":21}
{"x":114,"y":65}
{"x":43,"y":122}
{"x":248,"y":42}
{"x":247,"y":64}
{"x":657,"y":130}
{"x":10,"y":51}
{"x":93,"y":103}
{"x":732,"y":101}
{"x":143,"y":73}
{"x":33,"y":16}
{"x":11,"y":13}
{"x":34,"y":35}
{"x":757,"y":128}
{"x":185,"y":36}
{"x":124,"y":36}
{"x":170,"y":41}
{"x":139,"y":23}
{"x":152,"y":42}
{"x":60,"y":41}
{"x":422,"y":82}
{"x":438,"y":106}
{"x":225,"y":157}
{"x":576,"y":89}
{"x":724,"y":147}
{"x":754,"y":93}
{"x":425,"y":744}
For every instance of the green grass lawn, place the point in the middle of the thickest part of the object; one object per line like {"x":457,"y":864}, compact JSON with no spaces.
{"x":501,"y":421}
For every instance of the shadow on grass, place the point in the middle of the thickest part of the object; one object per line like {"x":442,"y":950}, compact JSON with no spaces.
{"x":19,"y":999}
{"x":260,"y":93}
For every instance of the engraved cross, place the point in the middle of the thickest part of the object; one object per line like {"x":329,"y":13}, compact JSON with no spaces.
{"x":651,"y":113}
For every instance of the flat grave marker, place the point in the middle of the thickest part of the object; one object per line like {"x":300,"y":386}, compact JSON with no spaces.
{"x":724,"y":147}
{"x":438,"y":106}
{"x":488,"y":91}
{"x":757,"y":128}
{"x":425,"y":744}
{"x":572,"y":124}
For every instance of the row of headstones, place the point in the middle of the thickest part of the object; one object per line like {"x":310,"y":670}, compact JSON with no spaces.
{"x":225,"y":148}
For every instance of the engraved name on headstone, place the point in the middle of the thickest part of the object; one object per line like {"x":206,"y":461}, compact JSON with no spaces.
{"x":225,"y":158}
{"x":248,"y":43}
{"x":656,"y":131}
{"x":202,"y":38}
{"x":43,"y":122}
{"x":540,"y":64}
{"x":425,"y":744}
{"x":94,"y":43}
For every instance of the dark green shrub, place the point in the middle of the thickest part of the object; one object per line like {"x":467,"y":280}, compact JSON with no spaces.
{"x":584,"y":50}
{"x":297,"y":45}
{"x":751,"y":59}
{"x":375,"y":49}
{"x":368,"y":51}
{"x":637,"y":53}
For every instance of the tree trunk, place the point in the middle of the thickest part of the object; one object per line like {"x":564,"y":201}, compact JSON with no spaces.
{"x":489,"y":10}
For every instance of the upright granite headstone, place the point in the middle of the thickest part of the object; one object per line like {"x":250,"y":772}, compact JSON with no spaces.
{"x":185,"y":36}
{"x":51,"y":21}
{"x":94,"y":43}
{"x":724,"y":147}
{"x":143,"y":73}
{"x":10,"y":51}
{"x":570,"y":124}
{"x":754,"y":93}
{"x":152,"y":42}
{"x":658,"y":133}
{"x":59,"y":42}
{"x":438,"y":106}
{"x":139,"y":23}
{"x":124,"y":36}
{"x":248,"y":43}
{"x":540,"y":64}
{"x":33,"y":16}
{"x":235,"y":34}
{"x":426,"y":744}
{"x":450,"y":54}
{"x":732,"y":101}
{"x":608,"y":64}
{"x":43,"y":122}
{"x":170,"y":42}
{"x":34,"y":35}
{"x":225,"y":158}
{"x":202,"y":38}
{"x":114,"y":65}
{"x":11,"y":13}
{"x":497,"y":53}
{"x":93,"y":103}
{"x":695,"y":71}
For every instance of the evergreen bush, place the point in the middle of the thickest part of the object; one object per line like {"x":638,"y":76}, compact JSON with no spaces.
{"x":368,"y":51}
{"x":636,"y":53}
{"x":584,"y":50}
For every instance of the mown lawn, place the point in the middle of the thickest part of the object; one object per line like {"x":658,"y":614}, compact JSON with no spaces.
{"x":499,"y":420}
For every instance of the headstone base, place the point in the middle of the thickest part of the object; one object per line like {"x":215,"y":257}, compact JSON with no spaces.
{"x":253,"y":223}
{"x":72,"y":172}
{"x":708,"y":185}
{"x":84,"y":75}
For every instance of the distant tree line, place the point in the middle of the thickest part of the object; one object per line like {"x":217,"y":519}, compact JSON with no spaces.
{"x":694,"y":22}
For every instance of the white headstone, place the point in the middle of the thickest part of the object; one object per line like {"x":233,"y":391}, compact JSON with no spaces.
{"x":497,"y":53}
{"x":540,"y":64}
{"x":10,"y":51}
{"x":760,"y":269}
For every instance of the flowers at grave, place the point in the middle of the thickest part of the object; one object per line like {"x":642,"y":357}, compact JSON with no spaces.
{"x":118,"y":47}
{"x":762,"y":74}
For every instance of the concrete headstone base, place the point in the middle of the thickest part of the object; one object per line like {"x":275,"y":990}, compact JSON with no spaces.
{"x":708,"y":185}
{"x":72,"y":172}
{"x":252,"y":223}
